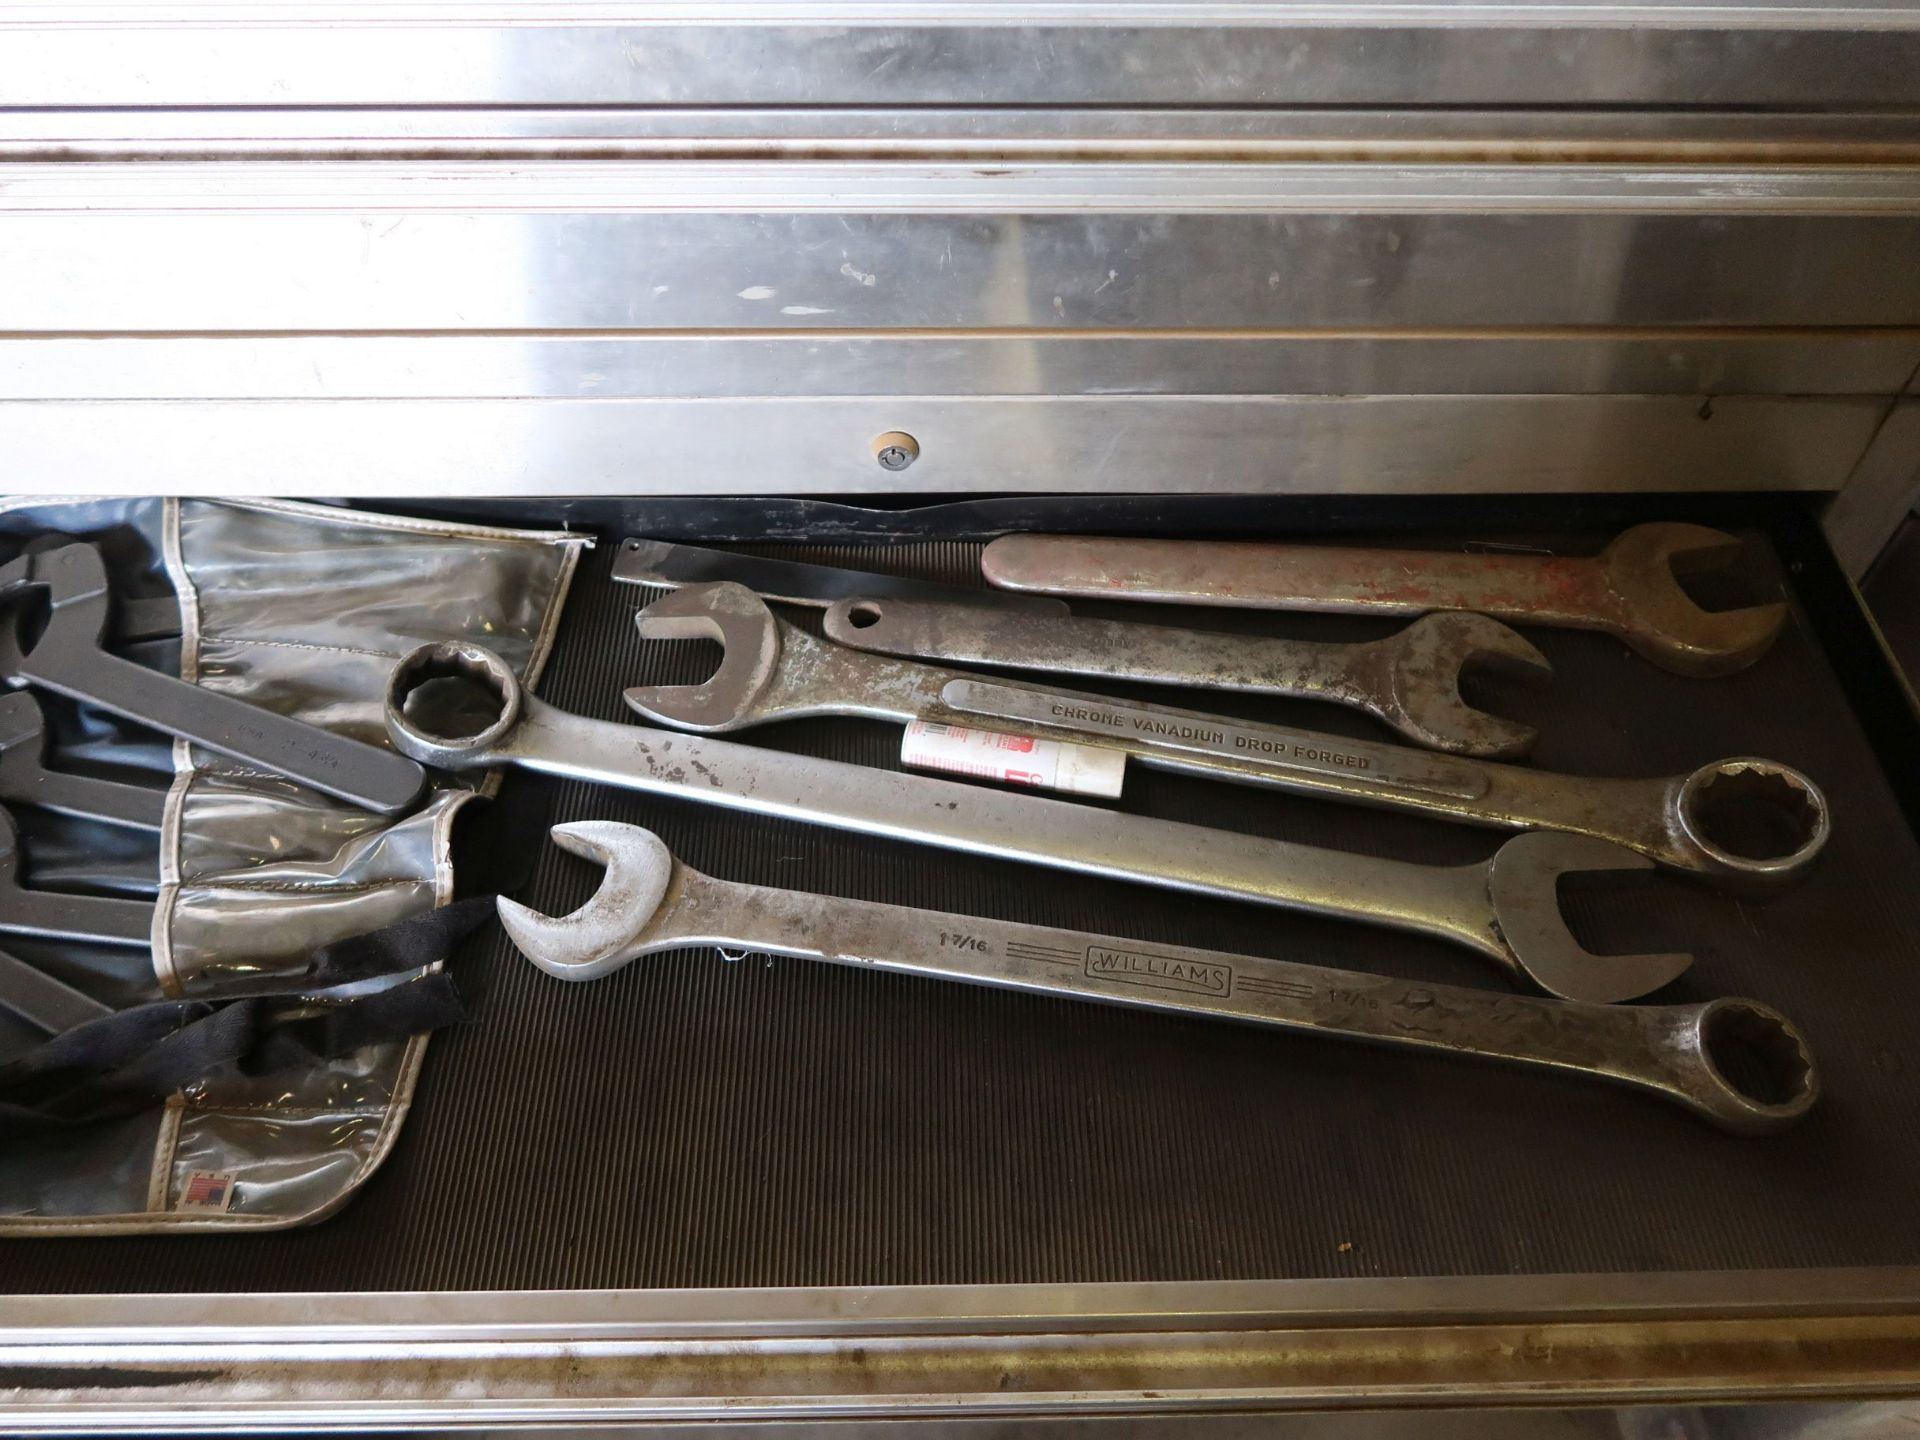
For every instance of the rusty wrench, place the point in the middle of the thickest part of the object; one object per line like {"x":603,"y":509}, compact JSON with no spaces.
{"x":1505,"y":909}
{"x":1628,"y":590}
{"x":1409,"y":681}
{"x":649,"y":902}
{"x":773,"y":670}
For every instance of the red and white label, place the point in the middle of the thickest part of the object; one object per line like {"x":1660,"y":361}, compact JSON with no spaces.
{"x":1013,"y":759}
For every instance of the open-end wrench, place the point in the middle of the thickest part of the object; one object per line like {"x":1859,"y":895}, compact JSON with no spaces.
{"x":25,"y":780}
{"x":134,"y":619}
{"x":648,"y":902}
{"x":1409,"y":681}
{"x":772,"y":670}
{"x":1506,"y":908}
{"x":58,"y":915}
{"x":67,"y":659}
{"x":1628,"y":590}
{"x":659,"y":562}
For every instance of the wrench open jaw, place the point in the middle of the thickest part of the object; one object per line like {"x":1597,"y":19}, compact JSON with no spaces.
{"x":1513,"y":923}
{"x":1744,"y":823}
{"x":1662,"y":622}
{"x":1418,"y":675}
{"x":1735,"y":1063}
{"x":67,"y":659}
{"x":736,"y":694}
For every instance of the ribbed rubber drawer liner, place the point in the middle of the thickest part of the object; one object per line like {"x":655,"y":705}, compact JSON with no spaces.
{"x":695,"y":1122}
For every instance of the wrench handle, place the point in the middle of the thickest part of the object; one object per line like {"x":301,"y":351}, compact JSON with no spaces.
{"x":56,"y":915}
{"x":1446,"y":901}
{"x":1541,"y":589}
{"x":336,"y":765}
{"x":1657,"y":1048}
{"x":111,"y":802}
{"x":1104,"y":649}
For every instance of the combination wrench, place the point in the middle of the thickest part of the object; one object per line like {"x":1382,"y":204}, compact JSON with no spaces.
{"x":648,"y":902}
{"x":67,"y":659}
{"x":1628,"y":590}
{"x":1409,"y":681}
{"x":1505,"y":909}
{"x":772,"y":670}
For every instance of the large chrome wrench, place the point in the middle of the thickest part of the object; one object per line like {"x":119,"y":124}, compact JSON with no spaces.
{"x":648,"y":902}
{"x":1409,"y":681}
{"x":1627,"y":590}
{"x":67,"y":659}
{"x":773,"y":670}
{"x":1506,"y":909}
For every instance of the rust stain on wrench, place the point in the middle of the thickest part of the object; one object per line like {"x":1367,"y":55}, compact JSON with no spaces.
{"x":772,"y":670}
{"x":1627,"y":590}
{"x":648,"y":902}
{"x":1409,"y":681}
{"x":1505,"y":909}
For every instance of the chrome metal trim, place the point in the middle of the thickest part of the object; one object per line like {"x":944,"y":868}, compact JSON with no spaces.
{"x":322,"y":1362}
{"x":1005,"y":362}
{"x":970,"y":135}
{"x":1098,"y":13}
{"x":821,"y":445}
{"x":1817,"y":54}
{"x":513,"y":1316}
{"x":752,"y":188}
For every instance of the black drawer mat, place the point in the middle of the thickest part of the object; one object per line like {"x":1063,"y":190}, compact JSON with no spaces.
{"x":695,"y":1121}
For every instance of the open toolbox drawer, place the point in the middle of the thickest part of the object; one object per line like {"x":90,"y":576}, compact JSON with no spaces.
{"x":701,"y":1189}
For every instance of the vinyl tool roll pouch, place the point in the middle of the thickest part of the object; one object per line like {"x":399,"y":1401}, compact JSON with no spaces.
{"x":301,"y":609}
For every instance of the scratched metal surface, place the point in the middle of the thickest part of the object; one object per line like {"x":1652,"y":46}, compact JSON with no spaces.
{"x":698,"y":1122}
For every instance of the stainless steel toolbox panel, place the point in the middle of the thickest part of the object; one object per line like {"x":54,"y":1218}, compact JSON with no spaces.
{"x":1425,"y":268}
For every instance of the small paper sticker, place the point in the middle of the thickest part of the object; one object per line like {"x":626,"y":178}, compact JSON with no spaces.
{"x":1013,"y":759}
{"x":207,"y":1190}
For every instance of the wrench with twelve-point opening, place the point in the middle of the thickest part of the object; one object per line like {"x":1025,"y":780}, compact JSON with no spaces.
{"x":1506,"y":909}
{"x":1736,"y":1063}
{"x":773,"y":670}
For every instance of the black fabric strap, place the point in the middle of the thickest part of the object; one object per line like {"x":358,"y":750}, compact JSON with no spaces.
{"x":128,"y":1061}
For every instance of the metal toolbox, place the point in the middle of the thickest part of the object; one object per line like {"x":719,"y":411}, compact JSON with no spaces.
{"x":872,"y":282}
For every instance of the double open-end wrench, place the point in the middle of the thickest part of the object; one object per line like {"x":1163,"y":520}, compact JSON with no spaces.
{"x":68,"y":660}
{"x":1628,"y":590}
{"x":1409,"y":681}
{"x":648,"y":902}
{"x":772,"y":670}
{"x":59,"y":915}
{"x":1506,"y":909}
{"x":25,"y":779}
